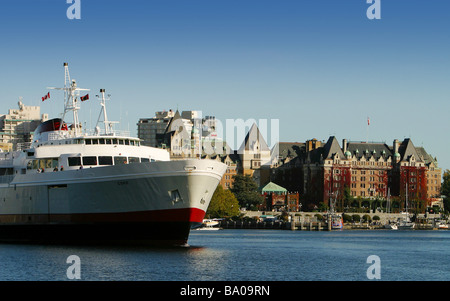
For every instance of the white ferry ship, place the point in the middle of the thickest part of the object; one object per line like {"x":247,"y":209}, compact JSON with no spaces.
{"x":73,"y":187}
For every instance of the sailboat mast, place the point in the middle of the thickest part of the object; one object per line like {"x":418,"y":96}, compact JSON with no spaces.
{"x":406,"y":197}
{"x":388,"y":209}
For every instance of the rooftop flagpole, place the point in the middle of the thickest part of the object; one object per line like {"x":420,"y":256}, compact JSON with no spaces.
{"x":368,"y":123}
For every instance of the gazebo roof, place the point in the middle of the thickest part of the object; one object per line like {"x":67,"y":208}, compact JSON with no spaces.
{"x":272,"y":187}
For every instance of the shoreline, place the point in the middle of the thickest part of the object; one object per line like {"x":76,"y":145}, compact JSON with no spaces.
{"x":308,"y":221}
{"x":311,"y":226}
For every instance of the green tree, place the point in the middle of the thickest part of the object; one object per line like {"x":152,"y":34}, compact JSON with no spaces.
{"x":347,"y":218}
{"x":356,"y":217}
{"x":246,"y":191}
{"x":347,"y":197}
{"x":367,"y":218}
{"x":223,"y":204}
{"x":445,"y":190}
{"x":323,"y":207}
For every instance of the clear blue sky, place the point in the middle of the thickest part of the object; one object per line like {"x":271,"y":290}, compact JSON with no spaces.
{"x":321,"y":67}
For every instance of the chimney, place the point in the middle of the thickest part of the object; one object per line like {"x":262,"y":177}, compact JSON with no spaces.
{"x":344,"y":144}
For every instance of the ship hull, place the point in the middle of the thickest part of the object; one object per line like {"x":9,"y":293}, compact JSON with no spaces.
{"x":148,"y":203}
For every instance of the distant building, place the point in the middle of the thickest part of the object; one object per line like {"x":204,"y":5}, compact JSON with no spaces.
{"x":433,"y":174}
{"x":149,"y":129}
{"x":360,"y":171}
{"x":17,"y":127}
{"x":286,"y":165}
{"x":184,"y":135}
{"x":278,"y":198}
{"x":232,"y":162}
{"x":255,"y":156}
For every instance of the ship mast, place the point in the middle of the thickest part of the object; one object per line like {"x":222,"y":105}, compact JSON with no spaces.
{"x":71,"y":94}
{"x":108,"y":124}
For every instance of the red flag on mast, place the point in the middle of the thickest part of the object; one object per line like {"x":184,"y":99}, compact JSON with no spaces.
{"x":85,"y":97}
{"x":46,"y":96}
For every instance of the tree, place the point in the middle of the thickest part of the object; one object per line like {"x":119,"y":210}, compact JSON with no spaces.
{"x":367,"y":218}
{"x":223,"y":204}
{"x":445,"y":190}
{"x":323,"y":207}
{"x":356,"y":218}
{"x":348,"y":198}
{"x":246,"y":191}
{"x":347,"y":218}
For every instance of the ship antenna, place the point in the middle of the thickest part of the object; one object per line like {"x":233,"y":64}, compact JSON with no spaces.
{"x":108,"y":124}
{"x":71,"y":94}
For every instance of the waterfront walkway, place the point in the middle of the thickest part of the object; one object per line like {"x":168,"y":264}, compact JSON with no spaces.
{"x":309,"y":221}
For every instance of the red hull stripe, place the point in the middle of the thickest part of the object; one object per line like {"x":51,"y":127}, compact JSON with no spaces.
{"x":170,"y":215}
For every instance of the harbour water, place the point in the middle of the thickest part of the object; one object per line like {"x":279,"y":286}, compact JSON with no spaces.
{"x":244,"y":255}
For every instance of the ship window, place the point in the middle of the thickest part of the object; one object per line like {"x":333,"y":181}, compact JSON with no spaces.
{"x":46,"y":163}
{"x":30,"y":164}
{"x":35,"y":164}
{"x":90,"y":160}
{"x":114,"y":141}
{"x":145,"y":160}
{"x":88,"y":141}
{"x":6,"y":171}
{"x":108,"y":141}
{"x":105,"y":160}
{"x":127,"y":142}
{"x":102,"y":141}
{"x":120,"y":160}
{"x":121,"y":141}
{"x":94,"y":141}
{"x":133,"y":160}
{"x":74,"y":161}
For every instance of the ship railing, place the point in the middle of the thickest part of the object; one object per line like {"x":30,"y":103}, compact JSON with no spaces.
{"x":102,"y":132}
{"x":60,"y":135}
{"x":6,"y":162}
{"x":6,"y":179}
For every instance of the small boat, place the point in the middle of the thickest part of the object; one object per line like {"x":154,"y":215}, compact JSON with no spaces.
{"x":442,"y":225}
{"x":209,"y":225}
{"x":337,"y":222}
{"x":405,"y":222}
{"x":391,"y":226}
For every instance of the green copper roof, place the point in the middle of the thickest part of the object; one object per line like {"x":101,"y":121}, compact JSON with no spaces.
{"x":272,"y":187}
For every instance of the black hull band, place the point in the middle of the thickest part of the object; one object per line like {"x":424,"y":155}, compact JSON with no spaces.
{"x":148,"y":233}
